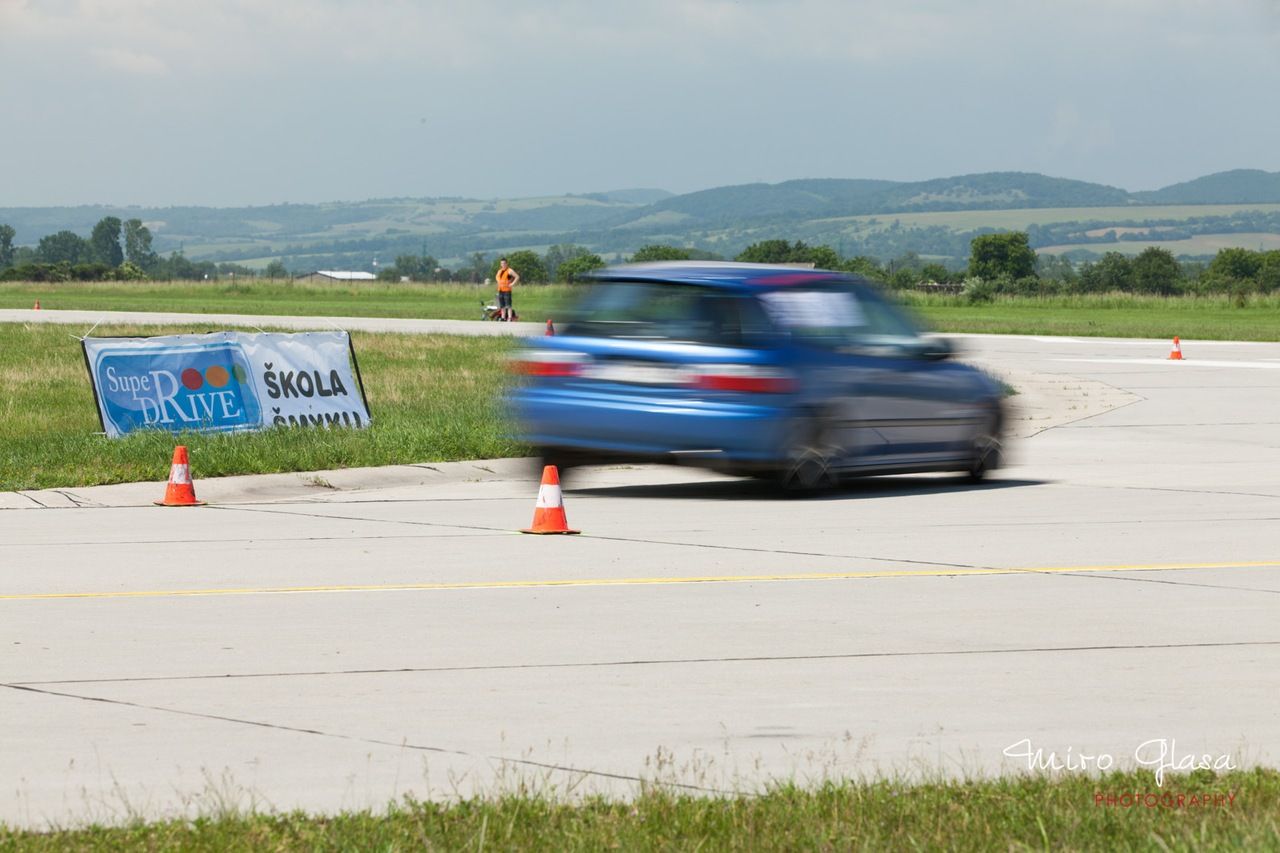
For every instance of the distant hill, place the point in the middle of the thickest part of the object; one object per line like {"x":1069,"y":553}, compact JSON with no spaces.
{"x":745,"y":200}
{"x":1238,"y":186}
{"x":833,"y":197}
{"x":882,"y":218}
{"x":1000,"y":190}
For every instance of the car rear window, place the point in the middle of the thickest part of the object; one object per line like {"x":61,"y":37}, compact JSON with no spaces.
{"x":665,"y":311}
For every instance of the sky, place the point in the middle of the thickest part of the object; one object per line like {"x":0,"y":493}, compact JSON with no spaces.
{"x":253,"y":102}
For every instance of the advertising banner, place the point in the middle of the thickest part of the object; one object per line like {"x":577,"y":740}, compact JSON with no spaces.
{"x":226,"y":382}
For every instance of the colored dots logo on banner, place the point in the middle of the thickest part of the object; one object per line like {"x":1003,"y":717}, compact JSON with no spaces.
{"x":215,"y":376}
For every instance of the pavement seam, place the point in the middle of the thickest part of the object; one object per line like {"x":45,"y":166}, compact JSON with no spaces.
{"x":1068,"y":423}
{"x":1172,"y":582}
{"x":73,"y":498}
{"x":652,"y":662}
{"x":257,"y":539}
{"x":403,"y":744}
{"x":590,"y":537}
{"x":1184,"y":491}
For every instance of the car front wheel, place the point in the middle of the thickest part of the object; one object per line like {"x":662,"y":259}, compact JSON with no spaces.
{"x":988,"y":453}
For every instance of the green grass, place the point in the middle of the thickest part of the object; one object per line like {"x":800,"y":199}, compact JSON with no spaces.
{"x":1103,"y":315}
{"x":1014,"y":813}
{"x":368,"y":299}
{"x":432,"y":398}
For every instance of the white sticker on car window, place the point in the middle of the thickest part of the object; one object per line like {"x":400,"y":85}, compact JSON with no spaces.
{"x":814,"y":309}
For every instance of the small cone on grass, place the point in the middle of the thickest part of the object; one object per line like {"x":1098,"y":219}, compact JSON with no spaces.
{"x":548,"y":516}
{"x":180,"y":491}
{"x":36,"y":307}
{"x":1176,"y":353}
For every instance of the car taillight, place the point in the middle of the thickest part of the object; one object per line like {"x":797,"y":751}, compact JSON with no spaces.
{"x":549,"y":363}
{"x":746,"y":378}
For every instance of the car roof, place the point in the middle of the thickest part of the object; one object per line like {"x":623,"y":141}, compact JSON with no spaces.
{"x":720,"y":273}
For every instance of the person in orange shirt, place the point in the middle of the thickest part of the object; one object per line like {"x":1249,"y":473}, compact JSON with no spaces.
{"x":507,"y":279}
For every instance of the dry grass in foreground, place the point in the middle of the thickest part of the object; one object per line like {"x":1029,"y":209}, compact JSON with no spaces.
{"x":1013,"y":813}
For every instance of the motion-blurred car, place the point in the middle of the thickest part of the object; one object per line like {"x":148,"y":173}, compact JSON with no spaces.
{"x":796,"y":374}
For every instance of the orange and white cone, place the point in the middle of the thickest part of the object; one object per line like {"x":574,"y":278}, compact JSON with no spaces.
{"x":1176,"y":354}
{"x":181,"y":491}
{"x":551,"y":330}
{"x":37,"y":306}
{"x":548,"y":516}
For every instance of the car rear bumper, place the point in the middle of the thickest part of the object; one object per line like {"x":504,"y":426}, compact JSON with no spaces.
{"x":676,"y":427}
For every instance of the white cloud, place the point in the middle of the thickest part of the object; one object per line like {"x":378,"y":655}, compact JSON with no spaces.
{"x":262,"y":36}
{"x":893,"y":88}
{"x":1075,"y":132}
{"x":129,"y":61}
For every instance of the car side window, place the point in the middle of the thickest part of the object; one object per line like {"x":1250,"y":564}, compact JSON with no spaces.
{"x":824,"y":318}
{"x":884,"y":323}
{"x":746,"y":322}
{"x":667,"y":311}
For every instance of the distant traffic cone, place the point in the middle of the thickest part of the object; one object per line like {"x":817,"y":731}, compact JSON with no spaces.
{"x":551,"y":330}
{"x":37,"y":306}
{"x":1176,"y":354}
{"x":548,"y":516}
{"x":181,"y":491}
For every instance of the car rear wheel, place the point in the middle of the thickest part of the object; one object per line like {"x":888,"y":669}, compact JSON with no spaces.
{"x":807,"y":463}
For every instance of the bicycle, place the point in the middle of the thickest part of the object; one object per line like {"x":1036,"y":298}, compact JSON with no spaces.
{"x":491,"y":311}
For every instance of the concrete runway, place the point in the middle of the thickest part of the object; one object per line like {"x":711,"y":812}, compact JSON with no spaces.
{"x":300,"y":646}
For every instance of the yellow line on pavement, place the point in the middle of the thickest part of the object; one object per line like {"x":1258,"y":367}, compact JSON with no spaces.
{"x":587,"y":582}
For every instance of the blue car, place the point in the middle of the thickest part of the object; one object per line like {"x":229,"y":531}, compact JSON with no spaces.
{"x":799,"y":375}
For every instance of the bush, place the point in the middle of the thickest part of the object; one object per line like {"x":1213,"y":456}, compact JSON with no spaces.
{"x":38,"y":272}
{"x":660,"y":253}
{"x":572,"y":269}
{"x":1240,"y":290}
{"x":978,"y":290}
{"x":129,"y":271}
{"x":1027,"y":285}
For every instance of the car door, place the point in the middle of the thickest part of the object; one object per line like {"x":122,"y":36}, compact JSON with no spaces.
{"x":917,"y":402}
{"x":819,"y":324}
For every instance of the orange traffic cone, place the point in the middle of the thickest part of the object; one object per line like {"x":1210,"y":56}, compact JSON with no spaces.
{"x":548,"y":516}
{"x":37,"y":306}
{"x":181,"y":491}
{"x":551,"y":330}
{"x":1176,"y":354}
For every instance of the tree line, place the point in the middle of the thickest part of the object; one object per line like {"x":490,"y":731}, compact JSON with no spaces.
{"x":999,"y":263}
{"x":121,"y":251}
{"x":1005,"y":263}
{"x":115,"y":250}
{"x":563,"y":262}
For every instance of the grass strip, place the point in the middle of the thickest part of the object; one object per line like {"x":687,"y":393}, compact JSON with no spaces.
{"x":534,"y":303}
{"x":1107,"y":315}
{"x":1008,"y":813}
{"x":1215,"y":317}
{"x":433,"y":398}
